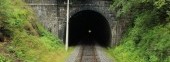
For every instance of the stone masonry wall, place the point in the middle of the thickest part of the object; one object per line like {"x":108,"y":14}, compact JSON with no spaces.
{"x":52,"y":14}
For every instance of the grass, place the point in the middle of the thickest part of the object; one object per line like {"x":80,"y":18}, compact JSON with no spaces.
{"x":27,"y":40}
{"x":147,"y":37}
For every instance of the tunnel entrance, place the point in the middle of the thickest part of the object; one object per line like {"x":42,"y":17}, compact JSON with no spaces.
{"x":89,"y":27}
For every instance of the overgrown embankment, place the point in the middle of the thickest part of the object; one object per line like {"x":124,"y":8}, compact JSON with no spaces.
{"x":147,"y":38}
{"x":23,"y":39}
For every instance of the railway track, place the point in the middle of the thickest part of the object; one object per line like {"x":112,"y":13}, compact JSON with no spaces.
{"x":87,"y":53}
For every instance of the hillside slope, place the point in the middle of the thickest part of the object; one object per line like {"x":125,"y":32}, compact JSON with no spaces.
{"x":147,"y":38}
{"x":23,"y":39}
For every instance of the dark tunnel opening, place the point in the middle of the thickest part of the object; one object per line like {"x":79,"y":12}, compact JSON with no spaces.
{"x":89,"y":27}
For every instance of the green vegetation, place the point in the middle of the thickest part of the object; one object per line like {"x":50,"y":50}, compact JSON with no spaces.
{"x":24,"y":39}
{"x":147,"y":38}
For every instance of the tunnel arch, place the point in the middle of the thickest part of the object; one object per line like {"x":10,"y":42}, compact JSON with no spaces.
{"x":88,"y":27}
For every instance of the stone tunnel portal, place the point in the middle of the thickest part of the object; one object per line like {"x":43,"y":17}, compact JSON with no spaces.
{"x":89,"y":27}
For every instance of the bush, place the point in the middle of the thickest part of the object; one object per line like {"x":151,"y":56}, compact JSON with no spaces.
{"x":29,"y":41}
{"x":148,"y":37}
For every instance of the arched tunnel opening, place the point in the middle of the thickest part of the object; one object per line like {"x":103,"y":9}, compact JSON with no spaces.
{"x":89,"y":27}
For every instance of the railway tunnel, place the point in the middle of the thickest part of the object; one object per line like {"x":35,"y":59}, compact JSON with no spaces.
{"x":89,"y":27}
